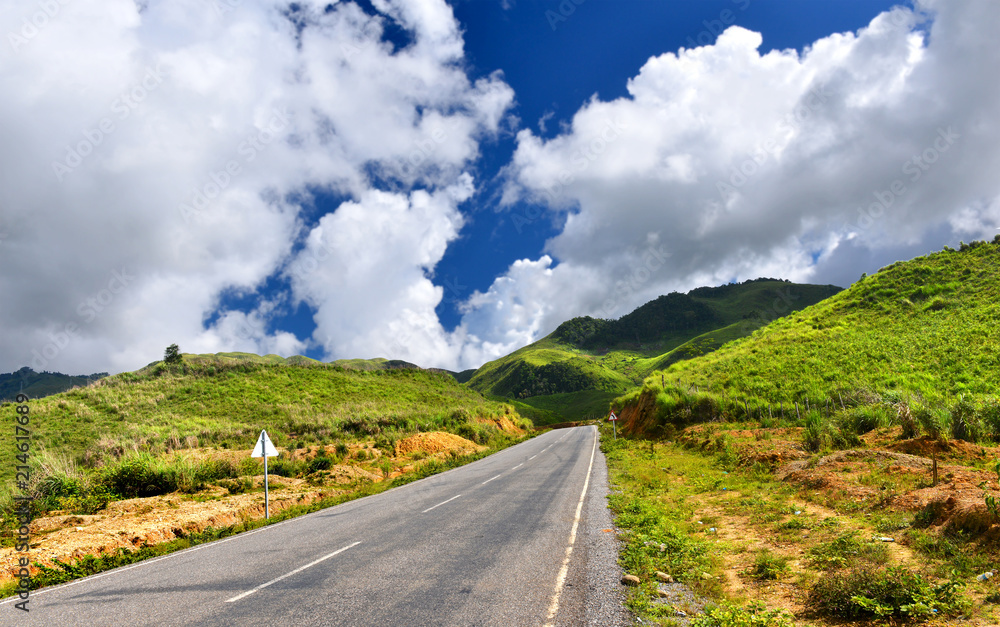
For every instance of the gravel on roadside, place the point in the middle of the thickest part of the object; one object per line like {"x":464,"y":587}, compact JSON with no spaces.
{"x":605,"y":598}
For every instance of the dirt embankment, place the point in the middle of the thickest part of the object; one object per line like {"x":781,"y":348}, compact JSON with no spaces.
{"x":905,"y":483}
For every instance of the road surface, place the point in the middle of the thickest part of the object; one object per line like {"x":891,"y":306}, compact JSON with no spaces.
{"x":501,"y":541}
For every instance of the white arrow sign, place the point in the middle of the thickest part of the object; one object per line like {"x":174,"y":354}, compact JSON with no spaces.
{"x":264,"y":448}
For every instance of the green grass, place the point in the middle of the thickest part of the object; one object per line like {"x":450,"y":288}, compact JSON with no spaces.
{"x":610,"y":356}
{"x":880,"y":335}
{"x":871,"y":356}
{"x":667,"y":498}
{"x":225,"y":401}
{"x":571,"y":406}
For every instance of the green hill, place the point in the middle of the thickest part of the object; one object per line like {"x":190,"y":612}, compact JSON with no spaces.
{"x":923,"y":332}
{"x":585,"y":362}
{"x":39,"y":384}
{"x":225,"y":400}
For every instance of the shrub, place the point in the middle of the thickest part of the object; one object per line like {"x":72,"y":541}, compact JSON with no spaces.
{"x":283,"y":467}
{"x":826,"y":433}
{"x":866,"y":418}
{"x":966,"y":424}
{"x":769,"y":566}
{"x":137,"y":476}
{"x":460,"y":416}
{"x":894,"y":591}
{"x":385,"y":443}
{"x":237,"y":486}
{"x":989,"y":413}
{"x":318,"y":463}
{"x":935,"y":423}
{"x":846,"y":549}
{"x":753,"y":615}
{"x":906,"y":420}
{"x":342,"y":450}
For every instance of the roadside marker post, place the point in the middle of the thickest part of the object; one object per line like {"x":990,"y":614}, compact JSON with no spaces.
{"x":614,"y":423}
{"x":264,"y":448}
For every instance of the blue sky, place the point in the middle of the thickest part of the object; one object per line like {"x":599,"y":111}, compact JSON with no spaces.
{"x":446,"y":182}
{"x":556,"y":62}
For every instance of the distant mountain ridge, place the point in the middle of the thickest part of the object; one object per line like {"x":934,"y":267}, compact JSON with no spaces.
{"x":39,"y":384}
{"x":592,"y":360}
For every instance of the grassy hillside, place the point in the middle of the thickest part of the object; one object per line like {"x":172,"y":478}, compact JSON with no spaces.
{"x":922,"y":332}
{"x":38,"y":384}
{"x":225,"y":400}
{"x":574,"y":372}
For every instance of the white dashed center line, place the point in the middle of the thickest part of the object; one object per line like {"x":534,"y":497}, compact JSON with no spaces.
{"x":441,"y":503}
{"x":289,"y":574}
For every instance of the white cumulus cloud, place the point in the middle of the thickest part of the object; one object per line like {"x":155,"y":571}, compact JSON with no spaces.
{"x":812,"y":165}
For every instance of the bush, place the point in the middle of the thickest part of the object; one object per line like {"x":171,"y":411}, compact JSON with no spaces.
{"x":284,"y":467}
{"x":869,"y":592}
{"x":753,"y":615}
{"x":826,"y":433}
{"x":478,"y":433}
{"x":866,"y":418}
{"x":935,"y":423}
{"x":966,"y":424}
{"x":847,"y":549}
{"x":385,"y":443}
{"x":137,"y":476}
{"x":318,"y":463}
{"x":989,"y":413}
{"x":236,"y":486}
{"x":768,"y":566}
{"x":907,"y":421}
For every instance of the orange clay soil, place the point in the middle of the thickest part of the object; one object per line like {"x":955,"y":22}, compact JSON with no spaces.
{"x":891,"y":474}
{"x":131,"y":523}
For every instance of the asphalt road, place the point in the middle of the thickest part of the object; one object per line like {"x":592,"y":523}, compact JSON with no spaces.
{"x":484,"y":544}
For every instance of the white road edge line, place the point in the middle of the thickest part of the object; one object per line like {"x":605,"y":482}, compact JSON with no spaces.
{"x":289,"y":574}
{"x":487,"y":481}
{"x":441,"y":503}
{"x":561,"y":579}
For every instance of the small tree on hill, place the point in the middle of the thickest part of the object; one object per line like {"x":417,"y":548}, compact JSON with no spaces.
{"x":172,"y":355}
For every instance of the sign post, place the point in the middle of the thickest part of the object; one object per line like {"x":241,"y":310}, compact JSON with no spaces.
{"x":614,"y":423}
{"x":264,"y":448}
